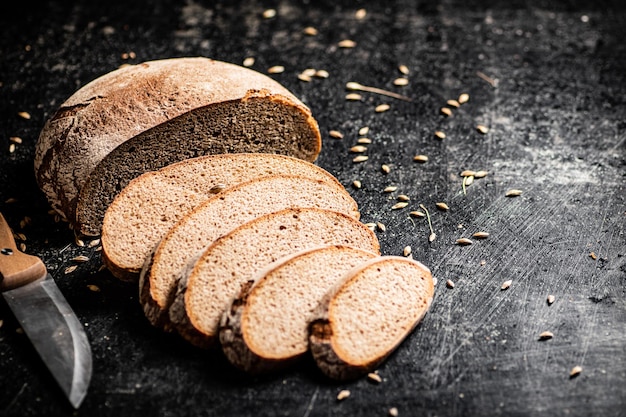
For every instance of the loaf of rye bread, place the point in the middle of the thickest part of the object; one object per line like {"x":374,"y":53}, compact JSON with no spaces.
{"x":211,"y":281}
{"x":266,"y":327}
{"x":219,"y":215}
{"x":142,"y":117}
{"x":366,"y":316}
{"x":152,"y":203}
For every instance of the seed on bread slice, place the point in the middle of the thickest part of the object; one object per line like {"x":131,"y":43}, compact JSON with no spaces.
{"x":217,"y":276}
{"x":152,"y":203}
{"x":220,"y":214}
{"x":266,"y":327}
{"x":364,"y":318}
{"x":142,"y":117}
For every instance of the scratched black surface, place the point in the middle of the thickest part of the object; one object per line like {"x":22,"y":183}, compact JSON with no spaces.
{"x":554,"y":97}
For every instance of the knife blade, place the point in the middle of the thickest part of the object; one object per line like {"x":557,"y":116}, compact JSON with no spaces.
{"x":46,"y":317}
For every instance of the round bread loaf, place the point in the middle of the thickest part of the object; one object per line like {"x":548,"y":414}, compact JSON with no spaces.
{"x":142,"y":117}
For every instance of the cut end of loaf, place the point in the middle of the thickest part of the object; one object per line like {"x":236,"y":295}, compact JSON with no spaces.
{"x":261,"y":123}
{"x":366,"y":317}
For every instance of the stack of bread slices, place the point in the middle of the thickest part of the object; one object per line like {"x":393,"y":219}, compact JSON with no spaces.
{"x":236,"y":242}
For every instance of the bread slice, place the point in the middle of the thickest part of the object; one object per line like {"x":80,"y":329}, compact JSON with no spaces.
{"x":219,"y":215}
{"x":217,"y":276}
{"x":266,"y":327}
{"x":361,"y":321}
{"x":145,"y":210}
{"x":142,"y":117}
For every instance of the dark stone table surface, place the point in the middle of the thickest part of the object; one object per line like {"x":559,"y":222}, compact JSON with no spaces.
{"x":548,"y":79}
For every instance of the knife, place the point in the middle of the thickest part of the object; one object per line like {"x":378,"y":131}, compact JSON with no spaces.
{"x":45,"y":316}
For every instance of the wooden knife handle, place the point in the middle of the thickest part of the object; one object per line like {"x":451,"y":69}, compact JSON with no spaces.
{"x":16,"y":268}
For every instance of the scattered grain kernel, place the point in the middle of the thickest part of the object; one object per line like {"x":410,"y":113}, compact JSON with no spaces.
{"x":93,"y":243}
{"x":309,"y":72}
{"x":481,"y":235}
{"x":406,"y":251}
{"x":360,"y":158}
{"x":364,"y":141}
{"x":401,"y":82}
{"x":70,"y":269}
{"x":576,"y":370}
{"x":335,"y":134}
{"x":482,"y":129}
{"x":440,"y":134}
{"x":248,"y":62}
{"x":310,"y":31}
{"x":420,"y":158}
{"x":269,"y":13}
{"x":15,"y":139}
{"x":506,"y":284}
{"x":322,"y":74}
{"x":12,"y":200}
{"x":513,"y":193}
{"x":358,"y":149}
{"x":551,"y":298}
{"x":483,"y":262}
{"x":450,"y":283}
{"x":468,"y":180}
{"x":403,"y":69}
{"x":442,"y":206}
{"x":12,"y":148}
{"x":393,"y":412}
{"x":400,"y":205}
{"x":360,"y":14}
{"x":304,"y":77}
{"x":463,"y":98}
{"x":464,"y":241}
{"x":346,"y":43}
{"x":217,"y":188}
{"x":480,"y":174}
{"x":356,"y":184}
{"x":364,"y":130}
{"x":381,"y":227}
{"x":276,"y":69}
{"x":453,"y":103}
{"x":80,"y":259}
{"x":446,"y":111}
{"x":593,"y":256}
{"x":403,"y":197}
{"x":24,"y":115}
{"x":390,"y":189}
{"x":385,"y":168}
{"x":546,"y":335}
{"x":468,"y":173}
{"x":432,"y":237}
{"x":23,"y":247}
{"x":373,"y":376}
{"x":417,"y":213}
{"x":382,"y":108}
{"x":353,"y":97}
{"x":343,"y":394}
{"x":93,"y":288}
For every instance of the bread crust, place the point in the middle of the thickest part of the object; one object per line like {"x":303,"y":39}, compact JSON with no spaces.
{"x":130,"y":101}
{"x":328,"y":356}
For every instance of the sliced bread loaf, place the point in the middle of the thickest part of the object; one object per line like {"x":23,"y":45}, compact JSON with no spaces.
{"x":217,"y":276}
{"x":219,"y":215}
{"x":152,"y":203}
{"x":142,"y":117}
{"x":366,"y":316}
{"x":266,"y":327}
